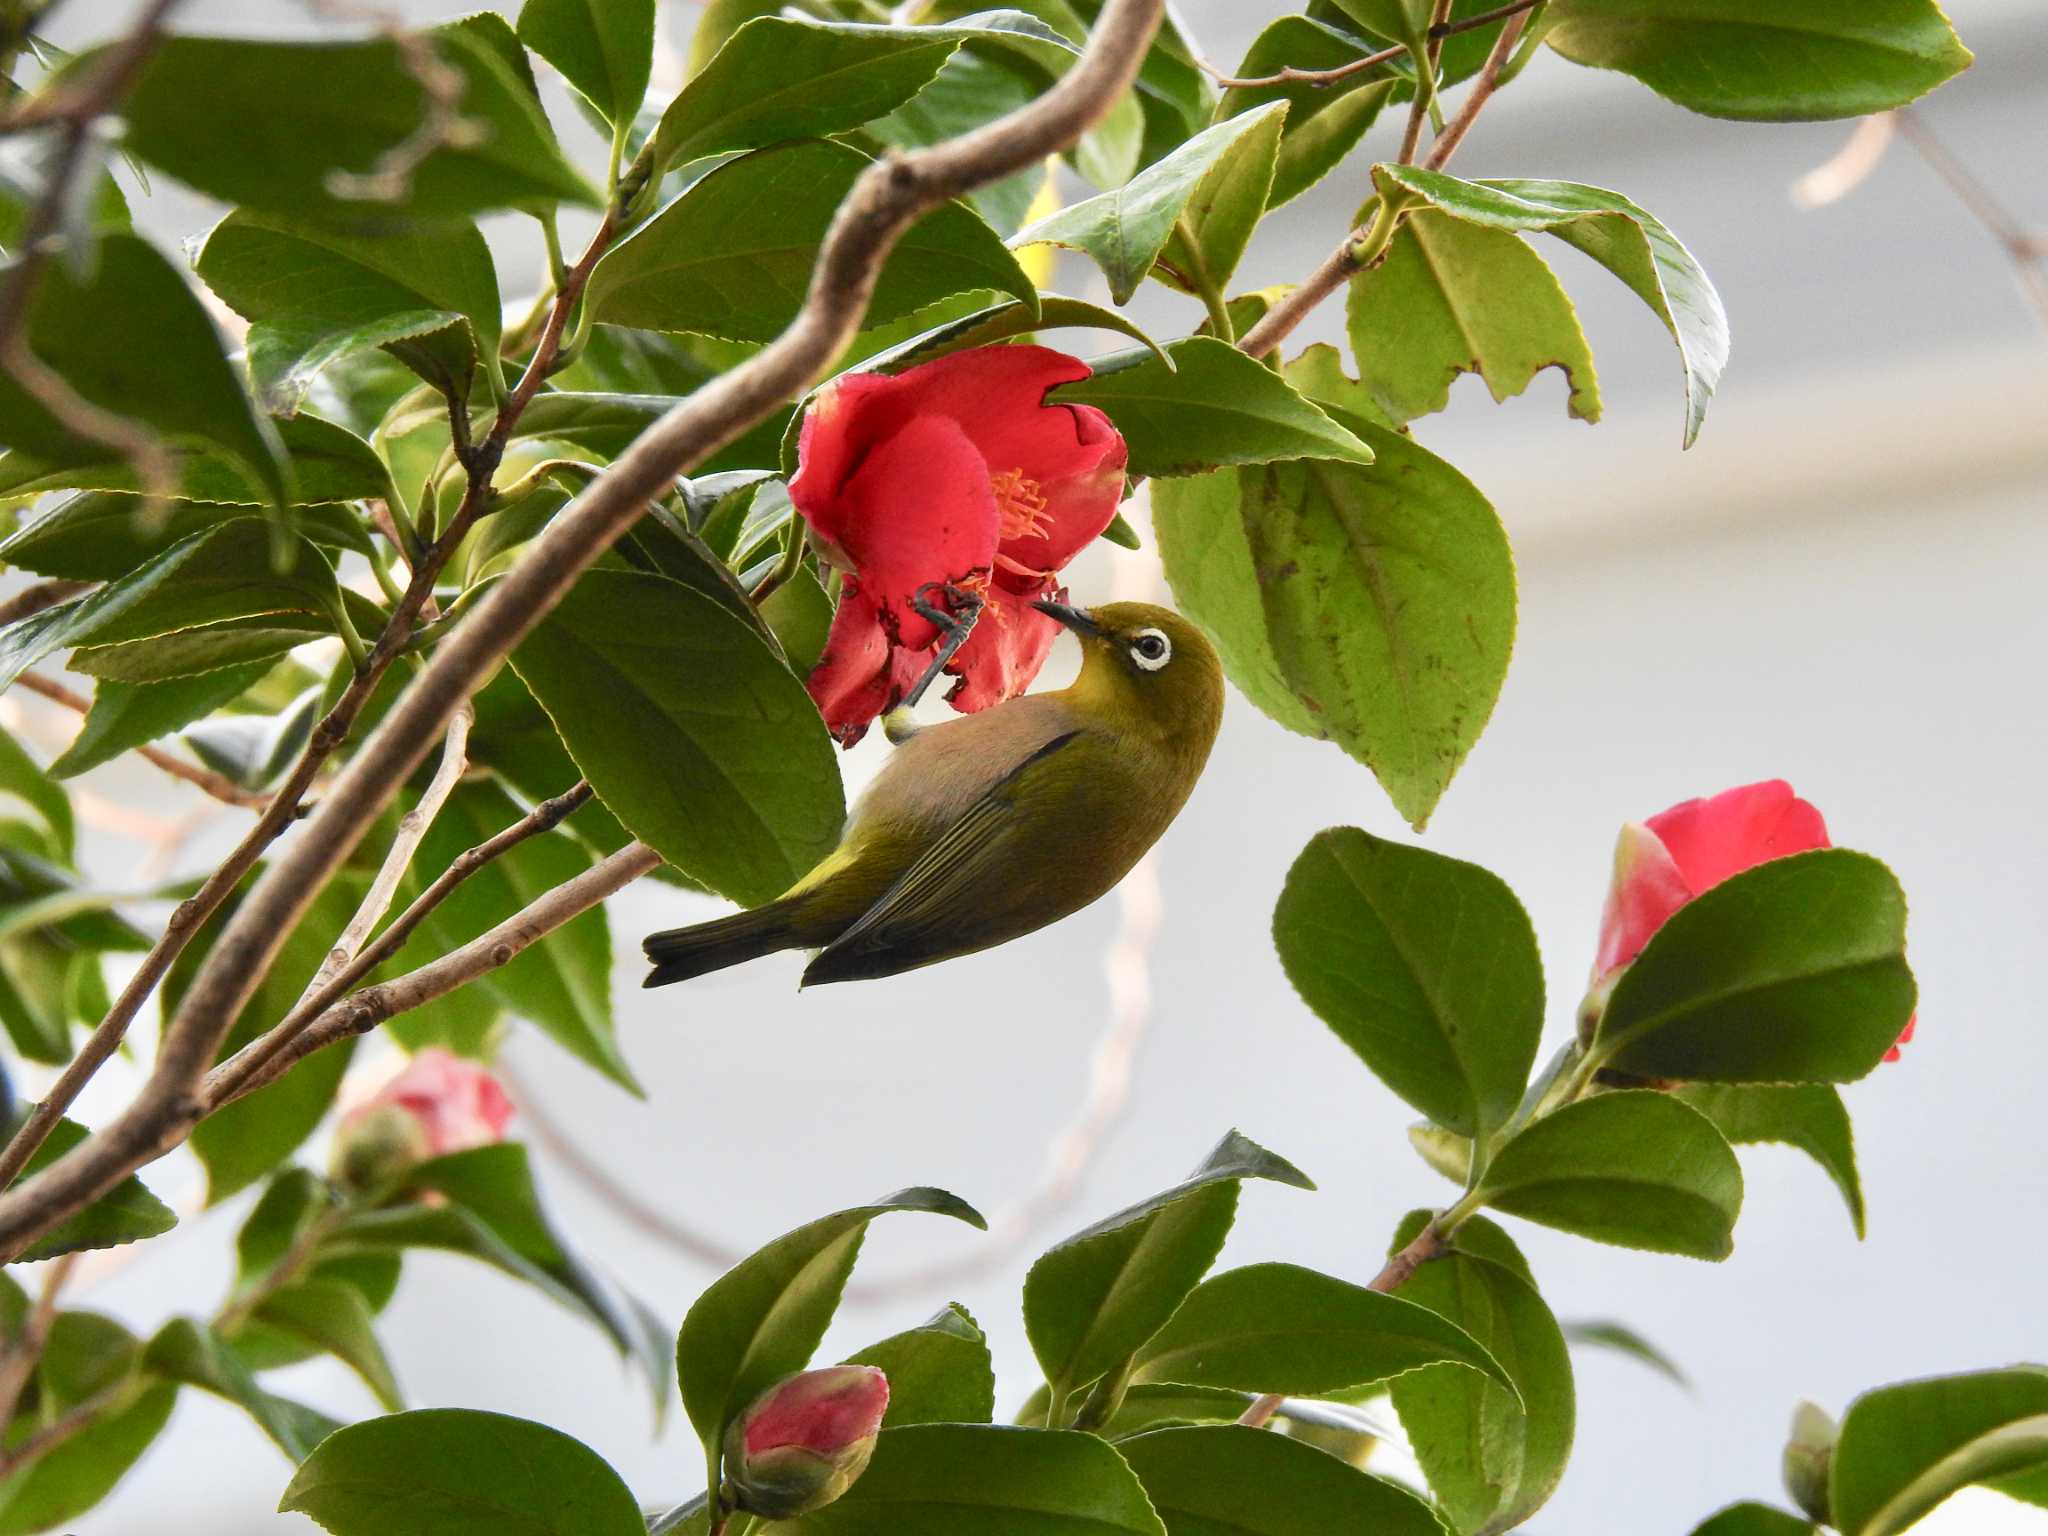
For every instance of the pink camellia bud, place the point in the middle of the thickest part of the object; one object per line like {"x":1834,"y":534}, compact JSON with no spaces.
{"x":1662,"y":864}
{"x":439,"y":1104}
{"x":801,"y":1443}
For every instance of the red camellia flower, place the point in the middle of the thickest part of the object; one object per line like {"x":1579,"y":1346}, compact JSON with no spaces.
{"x":801,"y":1444}
{"x":1662,"y":864}
{"x":958,"y":472}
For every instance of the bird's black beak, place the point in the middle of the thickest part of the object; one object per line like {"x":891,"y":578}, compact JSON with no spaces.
{"x":1079,"y":620}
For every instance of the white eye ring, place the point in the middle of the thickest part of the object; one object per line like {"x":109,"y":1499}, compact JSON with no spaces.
{"x":1151,"y":650}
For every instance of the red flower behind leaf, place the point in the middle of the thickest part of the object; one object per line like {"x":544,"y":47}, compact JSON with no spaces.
{"x":958,"y":472}
{"x":1662,"y":864}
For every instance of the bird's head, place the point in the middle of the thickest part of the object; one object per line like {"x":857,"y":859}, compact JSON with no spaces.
{"x":1145,"y":668}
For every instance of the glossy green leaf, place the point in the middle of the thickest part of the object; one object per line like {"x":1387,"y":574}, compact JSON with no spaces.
{"x":1091,"y":1301}
{"x":127,"y":715}
{"x":1001,"y":322}
{"x":761,"y":1319}
{"x":1636,"y":1168}
{"x":61,"y":1486}
{"x":1763,"y":61}
{"x":1324,"y":121}
{"x":993,"y":1480}
{"x":179,"y":386}
{"x":1809,"y":1116}
{"x":1370,"y":606}
{"x":1226,"y":1480}
{"x":22,"y":778}
{"x":457,"y":1472}
{"x":127,"y":1213}
{"x":334,"y":1316}
{"x":191,"y":1353}
{"x":562,"y":982}
{"x":428,"y":295}
{"x":1628,"y":241}
{"x":939,"y":1372}
{"x":1214,"y":406}
{"x":732,"y":256}
{"x":1624,"y":1340}
{"x":604,"y":48}
{"x":329,"y":464}
{"x":1216,"y":181}
{"x":972,"y":90}
{"x":1794,"y":971}
{"x":1281,"y":1328}
{"x":1752,"y":1519}
{"x":1451,"y":298}
{"x":1425,"y":966}
{"x":1905,"y":1448}
{"x":1491,"y":1461}
{"x":341,"y":107}
{"x":691,"y":730}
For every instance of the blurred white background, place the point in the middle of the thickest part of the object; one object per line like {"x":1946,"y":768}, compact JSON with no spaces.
{"x":1840,"y":585}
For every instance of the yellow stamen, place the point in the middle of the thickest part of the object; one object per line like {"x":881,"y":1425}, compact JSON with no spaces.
{"x":1021,"y":506}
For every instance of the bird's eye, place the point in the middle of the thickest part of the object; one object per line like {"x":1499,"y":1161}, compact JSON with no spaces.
{"x":1151,"y":650}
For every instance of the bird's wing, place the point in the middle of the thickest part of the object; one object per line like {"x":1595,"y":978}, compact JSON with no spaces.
{"x":931,"y":910}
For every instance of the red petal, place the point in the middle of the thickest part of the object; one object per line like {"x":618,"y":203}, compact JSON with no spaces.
{"x":1646,"y":889}
{"x":920,"y":510}
{"x":1079,"y":505}
{"x":850,"y":683}
{"x":1738,"y":829}
{"x":838,"y":430}
{"x":1905,"y":1038}
{"x":1010,"y":643}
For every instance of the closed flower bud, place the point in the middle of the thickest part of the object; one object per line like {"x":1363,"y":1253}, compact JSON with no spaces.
{"x":801,"y":1443}
{"x":1807,"y":1454}
{"x":437,"y":1105}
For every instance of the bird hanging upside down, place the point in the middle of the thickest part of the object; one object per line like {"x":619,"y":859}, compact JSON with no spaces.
{"x":985,"y":828}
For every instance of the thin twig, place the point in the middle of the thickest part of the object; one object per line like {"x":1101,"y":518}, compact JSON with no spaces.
{"x":2027,"y":249}
{"x":1361,"y":248}
{"x":1482,"y":88}
{"x":544,"y":817}
{"x":73,"y":1421}
{"x":889,"y":197}
{"x":218,"y":785}
{"x":1425,"y":81}
{"x":1321,"y":77}
{"x":25,"y":1351}
{"x":30,"y":601}
{"x":1428,"y":1244}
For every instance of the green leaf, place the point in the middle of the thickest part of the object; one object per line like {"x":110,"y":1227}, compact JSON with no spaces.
{"x":128,"y":715}
{"x":329,"y":464}
{"x":1762,"y":61}
{"x":562,"y":982}
{"x":1809,"y":1116}
{"x":761,"y":1319}
{"x":1227,"y":1480}
{"x":1001,"y":322}
{"x":604,"y":48}
{"x":1794,"y":971}
{"x":1324,"y":121}
{"x":62,"y":1485}
{"x":1217,"y":180}
{"x":1091,"y":1301}
{"x":127,"y":1213}
{"x":179,"y":386}
{"x":993,"y":1480}
{"x":330,"y":107}
{"x":1905,"y":1448}
{"x":1210,"y":406}
{"x":1607,"y":1334}
{"x":939,"y":1372}
{"x":780,"y":78}
{"x":1629,"y":242}
{"x":1451,"y":298}
{"x":690,"y":729}
{"x":1370,"y":606}
{"x":732,"y":256}
{"x":1281,"y":1328}
{"x":1636,"y":1168}
{"x":335,"y":1317}
{"x":1424,"y":965}
{"x":251,"y":750}
{"x":22,"y":778}
{"x":191,"y":1353}
{"x":1752,"y":1519}
{"x":457,"y":1472}
{"x":427,"y":295}
{"x":1491,"y":1460}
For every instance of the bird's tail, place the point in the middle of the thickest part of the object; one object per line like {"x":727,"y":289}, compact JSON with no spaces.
{"x":680,"y":953}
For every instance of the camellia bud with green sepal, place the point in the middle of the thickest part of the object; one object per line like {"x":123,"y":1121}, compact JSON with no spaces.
{"x":801,"y":1444}
{"x":1808,"y":1452}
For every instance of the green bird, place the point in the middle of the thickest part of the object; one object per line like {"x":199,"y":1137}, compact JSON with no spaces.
{"x":991,"y":826}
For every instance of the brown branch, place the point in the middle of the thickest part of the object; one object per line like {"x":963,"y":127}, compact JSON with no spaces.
{"x":30,"y":601}
{"x":1428,"y":1244}
{"x":887,"y":199}
{"x":257,"y":1054}
{"x":1321,"y":77}
{"x":2027,"y":250}
{"x":1483,"y":86}
{"x":218,"y":785}
{"x":25,"y":1350}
